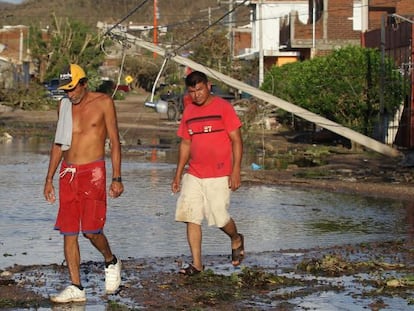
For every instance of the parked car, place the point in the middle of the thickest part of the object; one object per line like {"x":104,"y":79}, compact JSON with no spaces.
{"x":108,"y":86}
{"x":52,"y":90}
{"x":176,"y":101}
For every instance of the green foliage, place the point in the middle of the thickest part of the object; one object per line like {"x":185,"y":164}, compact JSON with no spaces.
{"x":146,"y":68}
{"x":30,"y":97}
{"x":67,"y":41}
{"x":344,"y":86}
{"x":212,"y":49}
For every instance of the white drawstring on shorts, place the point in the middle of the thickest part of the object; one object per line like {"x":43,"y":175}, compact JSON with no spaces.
{"x":71,"y":170}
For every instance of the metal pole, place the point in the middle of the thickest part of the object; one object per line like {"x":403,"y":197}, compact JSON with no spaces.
{"x":261,"y":54}
{"x":231,"y":28}
{"x":411,"y":123}
{"x":155,"y":32}
{"x":381,"y":130}
{"x":21,"y":47}
{"x":209,"y":11}
{"x":314,"y":25}
{"x":364,"y":15}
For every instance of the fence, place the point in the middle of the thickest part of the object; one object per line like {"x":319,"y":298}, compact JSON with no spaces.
{"x":395,"y":41}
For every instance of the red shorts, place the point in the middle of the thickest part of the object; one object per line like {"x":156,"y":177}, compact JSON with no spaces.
{"x":82,"y":198}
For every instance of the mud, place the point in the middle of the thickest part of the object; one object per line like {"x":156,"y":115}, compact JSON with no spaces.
{"x":371,"y":276}
{"x":374,"y":276}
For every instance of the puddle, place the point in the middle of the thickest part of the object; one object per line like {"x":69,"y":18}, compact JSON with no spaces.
{"x":141,"y":223}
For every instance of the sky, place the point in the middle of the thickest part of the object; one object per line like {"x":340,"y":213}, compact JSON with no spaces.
{"x":12,"y":1}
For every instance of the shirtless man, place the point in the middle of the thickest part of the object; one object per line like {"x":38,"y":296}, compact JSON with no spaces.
{"x":82,"y":182}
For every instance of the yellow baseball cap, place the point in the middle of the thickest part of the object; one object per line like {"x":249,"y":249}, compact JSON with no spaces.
{"x":70,"y":77}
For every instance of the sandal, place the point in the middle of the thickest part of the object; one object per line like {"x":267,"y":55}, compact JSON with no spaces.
{"x":237,"y":255}
{"x":189,"y":269}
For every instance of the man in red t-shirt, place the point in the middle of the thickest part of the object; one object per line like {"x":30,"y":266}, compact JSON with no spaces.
{"x":187,"y":100}
{"x":212,"y":146}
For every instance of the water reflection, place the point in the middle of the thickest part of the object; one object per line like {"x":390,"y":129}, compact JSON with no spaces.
{"x":141,"y":222}
{"x":409,"y":206}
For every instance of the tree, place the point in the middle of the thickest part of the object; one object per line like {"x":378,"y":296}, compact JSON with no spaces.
{"x":67,"y":41}
{"x":343,"y":87}
{"x":145,"y":69}
{"x":212,"y":50}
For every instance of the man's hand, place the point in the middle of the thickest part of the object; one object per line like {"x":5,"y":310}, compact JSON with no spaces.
{"x":176,"y":185}
{"x":234,"y":181}
{"x":49,"y":192}
{"x":116,"y":189}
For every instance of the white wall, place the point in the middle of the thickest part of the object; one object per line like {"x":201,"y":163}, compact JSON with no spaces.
{"x":271,"y":14}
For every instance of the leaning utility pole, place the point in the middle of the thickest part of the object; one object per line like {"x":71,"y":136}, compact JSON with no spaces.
{"x":272,"y":100}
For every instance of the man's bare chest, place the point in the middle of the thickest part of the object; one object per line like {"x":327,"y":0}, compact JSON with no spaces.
{"x":87,"y":120}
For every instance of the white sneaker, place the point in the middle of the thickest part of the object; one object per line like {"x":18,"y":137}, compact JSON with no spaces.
{"x":113,"y":277}
{"x":70,"y":294}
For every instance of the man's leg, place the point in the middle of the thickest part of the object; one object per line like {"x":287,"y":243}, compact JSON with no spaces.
{"x":100,"y":242}
{"x":72,"y":256}
{"x":112,"y":264}
{"x":74,"y":292}
{"x":236,"y":241}
{"x":194,"y":237}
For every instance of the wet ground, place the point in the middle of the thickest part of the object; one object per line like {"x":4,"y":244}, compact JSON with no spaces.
{"x":318,"y":265}
{"x":306,"y":249}
{"x":369,"y":276}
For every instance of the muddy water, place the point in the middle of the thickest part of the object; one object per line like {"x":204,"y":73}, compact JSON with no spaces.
{"x":141,"y":222}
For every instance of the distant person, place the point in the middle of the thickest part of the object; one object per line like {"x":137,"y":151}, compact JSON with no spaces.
{"x":86,"y":119}
{"x":212,"y":146}
{"x":187,"y":100}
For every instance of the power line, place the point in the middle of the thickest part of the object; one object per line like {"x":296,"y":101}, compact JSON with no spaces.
{"x":220,"y":19}
{"x":209,"y":26}
{"x":124,"y":18}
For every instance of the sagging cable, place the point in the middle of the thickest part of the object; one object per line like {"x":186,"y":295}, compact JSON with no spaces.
{"x":158,"y":77}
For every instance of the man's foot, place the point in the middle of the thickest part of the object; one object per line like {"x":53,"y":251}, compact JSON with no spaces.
{"x":70,"y":294}
{"x":189,"y":269}
{"x":113,"y":277}
{"x":237,"y":254}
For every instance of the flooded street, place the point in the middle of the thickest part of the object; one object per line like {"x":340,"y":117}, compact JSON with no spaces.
{"x":141,"y":222}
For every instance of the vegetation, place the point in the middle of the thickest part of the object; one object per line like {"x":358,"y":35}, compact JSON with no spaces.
{"x":72,"y":37}
{"x":212,"y":49}
{"x":146,"y":68}
{"x":177,"y":13}
{"x":343,"y":87}
{"x":68,"y":41}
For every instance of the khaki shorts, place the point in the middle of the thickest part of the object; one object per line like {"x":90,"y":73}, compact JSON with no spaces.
{"x":204,"y":198}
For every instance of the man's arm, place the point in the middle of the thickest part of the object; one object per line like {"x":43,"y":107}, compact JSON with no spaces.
{"x":183,"y":157}
{"x":111,"y":123}
{"x":237,"y":148}
{"x":54,"y":160}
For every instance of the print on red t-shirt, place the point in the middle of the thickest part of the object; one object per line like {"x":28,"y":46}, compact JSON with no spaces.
{"x":208,"y":128}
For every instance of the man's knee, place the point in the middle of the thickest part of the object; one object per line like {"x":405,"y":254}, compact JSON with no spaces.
{"x":92,"y":236}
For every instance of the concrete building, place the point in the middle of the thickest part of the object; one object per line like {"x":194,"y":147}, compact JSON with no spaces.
{"x":282,"y":31}
{"x":14,"y":56}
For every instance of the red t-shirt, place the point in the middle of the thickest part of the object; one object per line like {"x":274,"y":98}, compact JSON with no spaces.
{"x":207,"y":127}
{"x":187,"y":100}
